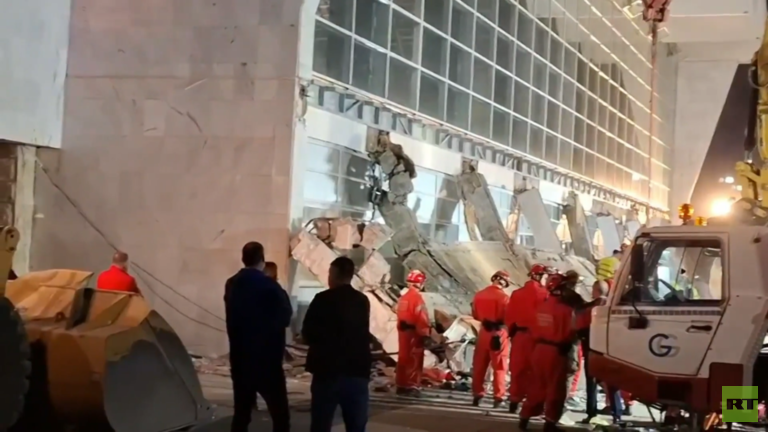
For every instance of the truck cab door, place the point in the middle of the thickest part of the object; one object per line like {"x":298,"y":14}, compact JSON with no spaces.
{"x":666,"y":322}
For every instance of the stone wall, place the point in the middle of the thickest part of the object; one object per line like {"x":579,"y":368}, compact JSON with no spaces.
{"x":177,"y":148}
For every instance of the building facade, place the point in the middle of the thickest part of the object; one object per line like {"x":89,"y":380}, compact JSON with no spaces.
{"x":177,"y":131}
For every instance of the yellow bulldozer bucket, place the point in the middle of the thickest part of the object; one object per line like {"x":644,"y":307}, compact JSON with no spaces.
{"x":101,"y":359}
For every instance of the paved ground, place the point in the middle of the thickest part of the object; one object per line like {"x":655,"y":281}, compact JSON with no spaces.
{"x":439,"y":411}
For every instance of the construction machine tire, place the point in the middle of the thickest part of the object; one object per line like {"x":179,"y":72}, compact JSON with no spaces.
{"x":15,"y":365}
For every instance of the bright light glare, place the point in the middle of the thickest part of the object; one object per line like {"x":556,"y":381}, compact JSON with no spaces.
{"x":721,"y":207}
{"x":729,"y":180}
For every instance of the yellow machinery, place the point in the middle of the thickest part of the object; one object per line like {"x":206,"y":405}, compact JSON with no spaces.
{"x":14,"y":348}
{"x":751,"y":176}
{"x":100,"y":359}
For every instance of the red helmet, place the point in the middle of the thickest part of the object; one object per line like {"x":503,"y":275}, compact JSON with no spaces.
{"x":416,"y":277}
{"x":501,"y":275}
{"x":554,"y":280}
{"x":538,"y":270}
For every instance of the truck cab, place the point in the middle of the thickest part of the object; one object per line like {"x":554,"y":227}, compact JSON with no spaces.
{"x":687,"y":315}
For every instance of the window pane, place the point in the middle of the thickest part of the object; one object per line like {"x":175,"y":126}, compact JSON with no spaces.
{"x":432,"y":96}
{"x":540,"y":74}
{"x":578,"y":160}
{"x":355,"y":193}
{"x":566,"y":152}
{"x":411,"y":6}
{"x":502,"y":89}
{"x":331,"y":53}
{"x":320,"y":187}
{"x":436,"y":14}
{"x":551,"y":148}
{"x":406,"y":35}
{"x":541,"y":41}
{"x":487,"y":8}
{"x":481,"y":118}
{"x":434,"y":56}
{"x":681,"y":272}
{"x":522,"y":98}
{"x":322,"y":159}
{"x":402,"y":83}
{"x":520,"y":134}
{"x":372,"y":21}
{"x":536,"y":142}
{"x":501,"y":125}
{"x":507,"y":16}
{"x":338,"y":12}
{"x":523,"y":63}
{"x":458,"y":107}
{"x":460,"y":68}
{"x":483,"y":78}
{"x":369,"y":70}
{"x":354,"y":166}
{"x":462,"y":22}
{"x":505,"y":53}
{"x":525,"y":29}
{"x":485,"y":36}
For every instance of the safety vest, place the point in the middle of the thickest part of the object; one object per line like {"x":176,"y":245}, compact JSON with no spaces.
{"x":606,"y":268}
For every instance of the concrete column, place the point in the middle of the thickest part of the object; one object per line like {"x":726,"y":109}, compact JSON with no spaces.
{"x":702,"y":87}
{"x":179,"y":124}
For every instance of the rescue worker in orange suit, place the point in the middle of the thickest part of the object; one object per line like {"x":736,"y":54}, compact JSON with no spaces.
{"x":520,"y":318}
{"x":412,"y":329}
{"x":492,"y":347}
{"x":554,"y":332}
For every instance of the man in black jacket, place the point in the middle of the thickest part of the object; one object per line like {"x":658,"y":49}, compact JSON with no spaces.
{"x":336,"y":329}
{"x":258,"y":312}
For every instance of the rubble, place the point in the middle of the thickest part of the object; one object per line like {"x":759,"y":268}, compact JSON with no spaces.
{"x":454,"y":271}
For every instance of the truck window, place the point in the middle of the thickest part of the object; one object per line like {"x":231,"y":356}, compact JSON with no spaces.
{"x":677,"y":273}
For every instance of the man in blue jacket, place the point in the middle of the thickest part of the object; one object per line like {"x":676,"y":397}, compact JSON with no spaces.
{"x":258,"y":312}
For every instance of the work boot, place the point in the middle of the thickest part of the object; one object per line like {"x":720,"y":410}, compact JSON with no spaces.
{"x":523,"y":424}
{"x":551,"y":427}
{"x":513,"y":407}
{"x":476,"y":401}
{"x":408,"y":392}
{"x":497,"y":402}
{"x":586,"y":420}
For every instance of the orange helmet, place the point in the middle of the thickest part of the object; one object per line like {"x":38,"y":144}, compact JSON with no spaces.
{"x":554,"y":280}
{"x":538,"y":270}
{"x":416,"y":277}
{"x":501,"y":275}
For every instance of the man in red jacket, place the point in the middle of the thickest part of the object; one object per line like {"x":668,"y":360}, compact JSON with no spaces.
{"x":520,"y":318}
{"x":116,"y":278}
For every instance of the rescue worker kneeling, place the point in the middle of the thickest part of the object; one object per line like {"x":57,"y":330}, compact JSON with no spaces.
{"x":412,"y":330}
{"x":492,"y":347}
{"x":554,"y":332}
{"x":520,"y":318}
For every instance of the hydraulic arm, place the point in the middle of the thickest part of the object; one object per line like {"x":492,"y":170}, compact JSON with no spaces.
{"x":751,"y":175}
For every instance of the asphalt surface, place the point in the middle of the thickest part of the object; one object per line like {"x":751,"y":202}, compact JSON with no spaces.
{"x":435,"y":411}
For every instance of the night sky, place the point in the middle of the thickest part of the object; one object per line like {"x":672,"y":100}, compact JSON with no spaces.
{"x":727,"y":146}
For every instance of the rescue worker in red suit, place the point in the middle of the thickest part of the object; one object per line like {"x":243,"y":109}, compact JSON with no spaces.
{"x":554,"y":332}
{"x":489,"y":307}
{"x":520,"y":318}
{"x":412,"y":329}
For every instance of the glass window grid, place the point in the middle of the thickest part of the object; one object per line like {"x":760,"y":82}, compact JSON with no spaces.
{"x":636,"y":173}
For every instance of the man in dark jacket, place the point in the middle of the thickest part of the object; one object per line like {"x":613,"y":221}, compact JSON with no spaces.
{"x":336,"y":329}
{"x":258,"y":312}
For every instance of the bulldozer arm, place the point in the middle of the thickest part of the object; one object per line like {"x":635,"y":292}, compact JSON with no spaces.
{"x":102,"y":358}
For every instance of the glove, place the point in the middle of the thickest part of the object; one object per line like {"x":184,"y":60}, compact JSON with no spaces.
{"x":496,"y":343}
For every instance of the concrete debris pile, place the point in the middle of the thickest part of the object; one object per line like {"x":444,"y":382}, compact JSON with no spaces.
{"x":322,"y":240}
{"x":455,"y":272}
